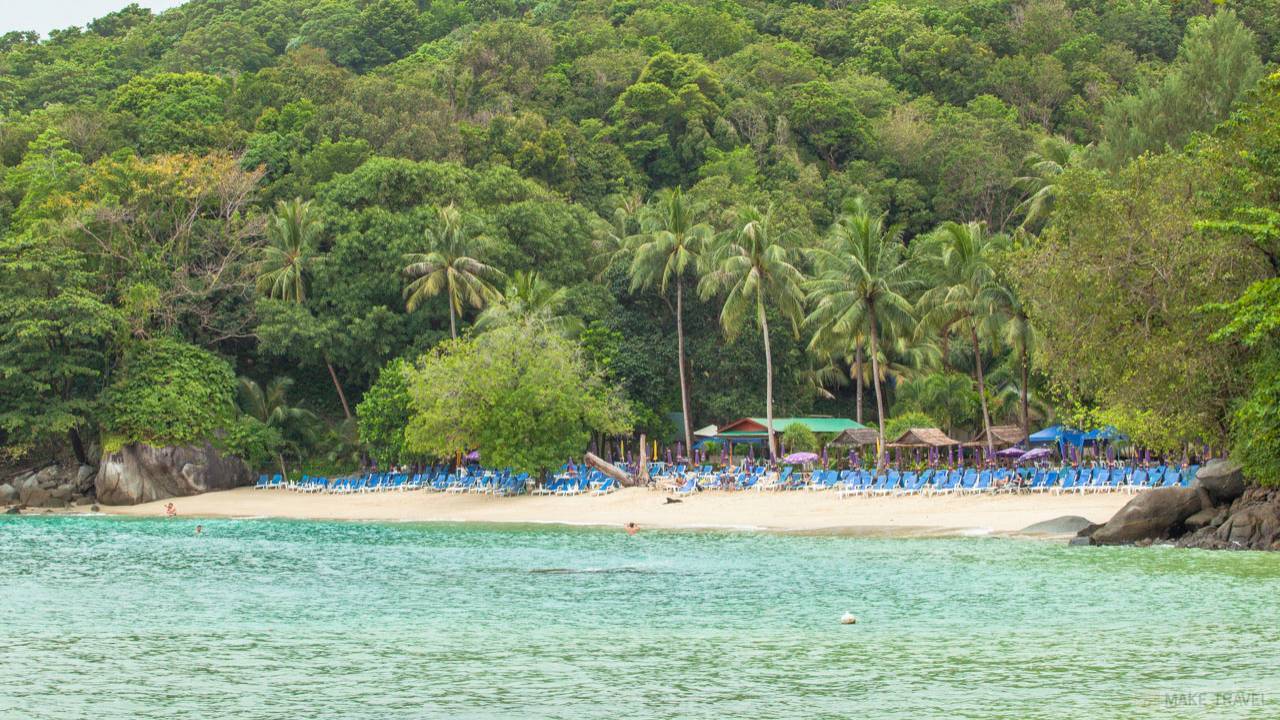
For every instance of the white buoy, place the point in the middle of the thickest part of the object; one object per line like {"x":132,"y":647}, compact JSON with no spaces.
{"x":848,"y":619}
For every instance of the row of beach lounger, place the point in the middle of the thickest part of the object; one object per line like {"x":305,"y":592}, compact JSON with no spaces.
{"x":488,"y":482}
{"x":849,"y":483}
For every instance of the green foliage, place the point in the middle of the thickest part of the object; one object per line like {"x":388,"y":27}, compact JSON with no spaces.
{"x":168,"y":392}
{"x":1255,"y":423}
{"x":799,"y":438}
{"x":899,"y":424}
{"x":384,"y":413}
{"x":521,"y":395}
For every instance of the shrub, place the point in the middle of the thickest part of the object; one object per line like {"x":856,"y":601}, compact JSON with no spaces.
{"x":798,"y":438}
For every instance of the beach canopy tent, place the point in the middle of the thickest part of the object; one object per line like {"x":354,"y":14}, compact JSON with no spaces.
{"x":923,"y":438}
{"x":856,"y":437}
{"x":1001,"y":436}
{"x":756,"y":428}
{"x":1057,"y":435}
{"x":706,"y":432}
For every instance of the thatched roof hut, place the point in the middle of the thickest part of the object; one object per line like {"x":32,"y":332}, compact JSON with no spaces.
{"x":923,"y":438}
{"x":855,"y":437}
{"x":1002,"y":436}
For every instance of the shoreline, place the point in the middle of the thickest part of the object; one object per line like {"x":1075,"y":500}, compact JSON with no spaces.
{"x":796,"y":512}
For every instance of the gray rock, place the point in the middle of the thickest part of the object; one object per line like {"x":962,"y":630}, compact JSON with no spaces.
{"x":48,"y":477}
{"x":1080,"y":541}
{"x":140,"y":473}
{"x":15,"y":510}
{"x":1064,"y":525}
{"x":37,"y":497}
{"x":1222,"y":479}
{"x":81,"y":501}
{"x":95,"y":508}
{"x":62,"y":492}
{"x":1151,"y":515}
{"x":7,"y":493}
{"x":84,"y":477}
{"x":1201,"y":519}
{"x":1254,"y":527}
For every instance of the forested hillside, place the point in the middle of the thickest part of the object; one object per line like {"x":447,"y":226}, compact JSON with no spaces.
{"x":229,"y":218}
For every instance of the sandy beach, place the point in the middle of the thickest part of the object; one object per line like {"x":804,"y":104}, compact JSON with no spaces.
{"x":799,"y":511}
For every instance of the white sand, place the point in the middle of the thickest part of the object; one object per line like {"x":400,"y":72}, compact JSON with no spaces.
{"x":796,"y":511}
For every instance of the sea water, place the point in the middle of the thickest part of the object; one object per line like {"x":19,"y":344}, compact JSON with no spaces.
{"x":125,"y":618}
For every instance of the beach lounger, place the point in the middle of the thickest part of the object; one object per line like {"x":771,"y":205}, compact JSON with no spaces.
{"x":606,"y":487}
{"x":689,"y":486}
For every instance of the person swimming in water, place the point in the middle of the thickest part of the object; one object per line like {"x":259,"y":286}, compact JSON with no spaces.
{"x":632,"y":528}
{"x":199,"y":529}
{"x":170,"y":510}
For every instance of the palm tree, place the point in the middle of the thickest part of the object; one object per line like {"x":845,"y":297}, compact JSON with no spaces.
{"x":859,"y":290}
{"x":962,"y":266}
{"x":270,"y":406}
{"x":449,"y":265}
{"x":614,"y":246}
{"x":752,"y":262}
{"x":1053,"y":155}
{"x":288,"y":258}
{"x":670,"y":242}
{"x":530,"y":299}
{"x":1019,"y":335}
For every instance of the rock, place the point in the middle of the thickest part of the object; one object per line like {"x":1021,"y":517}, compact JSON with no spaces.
{"x":7,"y":494}
{"x":1254,"y":527}
{"x":1080,"y":540}
{"x":81,"y":501}
{"x":1222,"y":479}
{"x":15,"y":510}
{"x":48,"y":477}
{"x":37,"y":497}
{"x":84,"y":477}
{"x":1154,"y":514}
{"x":1201,"y":519}
{"x":140,"y":473}
{"x":95,"y":508}
{"x":62,"y":492}
{"x":1064,"y":525}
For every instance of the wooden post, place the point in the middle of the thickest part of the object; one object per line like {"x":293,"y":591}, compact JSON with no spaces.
{"x":642,"y":471}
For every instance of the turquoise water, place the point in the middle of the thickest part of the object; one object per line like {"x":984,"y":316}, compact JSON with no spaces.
{"x":116,"y":618}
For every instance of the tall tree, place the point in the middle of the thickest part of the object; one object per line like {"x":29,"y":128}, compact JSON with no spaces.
{"x":671,"y":240}
{"x":528,"y":298}
{"x":450,"y":265}
{"x":859,"y":290}
{"x":270,"y":406}
{"x":752,"y":262}
{"x":961,"y":265}
{"x":1018,"y":334}
{"x":288,"y":258}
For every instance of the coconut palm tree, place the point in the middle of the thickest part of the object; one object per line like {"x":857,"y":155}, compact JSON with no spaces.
{"x":287,"y":260}
{"x":270,"y":406}
{"x":961,"y":265}
{"x":666,"y":250}
{"x":614,"y":246}
{"x":530,"y":299}
{"x":1042,"y":167}
{"x":1019,"y":335}
{"x":450,"y":265}
{"x":859,"y":290}
{"x":751,"y":263}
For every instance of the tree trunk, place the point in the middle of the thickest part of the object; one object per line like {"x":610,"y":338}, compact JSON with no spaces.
{"x":982,"y":390}
{"x":768,"y":380}
{"x":857,"y":371}
{"x":684,"y":383}
{"x":284,"y":472}
{"x":77,"y":446}
{"x":595,"y":461}
{"x":1026,"y":413}
{"x":875,"y":381}
{"x":453,"y":326}
{"x":642,"y":461}
{"x":346,"y":409}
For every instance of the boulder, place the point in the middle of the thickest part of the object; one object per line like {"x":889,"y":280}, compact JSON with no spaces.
{"x":81,"y":501}
{"x":1152,"y":515}
{"x":7,"y":493}
{"x":140,"y":473}
{"x":1203,"y":518}
{"x":1255,"y":527}
{"x":84,"y":477}
{"x":48,"y":478}
{"x":1222,"y":479}
{"x":38,"y":497}
{"x":62,"y":492}
{"x":1065,"y":525}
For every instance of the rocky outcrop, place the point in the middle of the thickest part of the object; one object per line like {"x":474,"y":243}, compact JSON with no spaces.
{"x":1065,"y":525}
{"x":140,"y":473}
{"x":1220,"y":511}
{"x":1154,"y":515}
{"x":47,"y":487}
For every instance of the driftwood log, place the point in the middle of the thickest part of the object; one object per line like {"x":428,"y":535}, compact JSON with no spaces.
{"x":609,"y":469}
